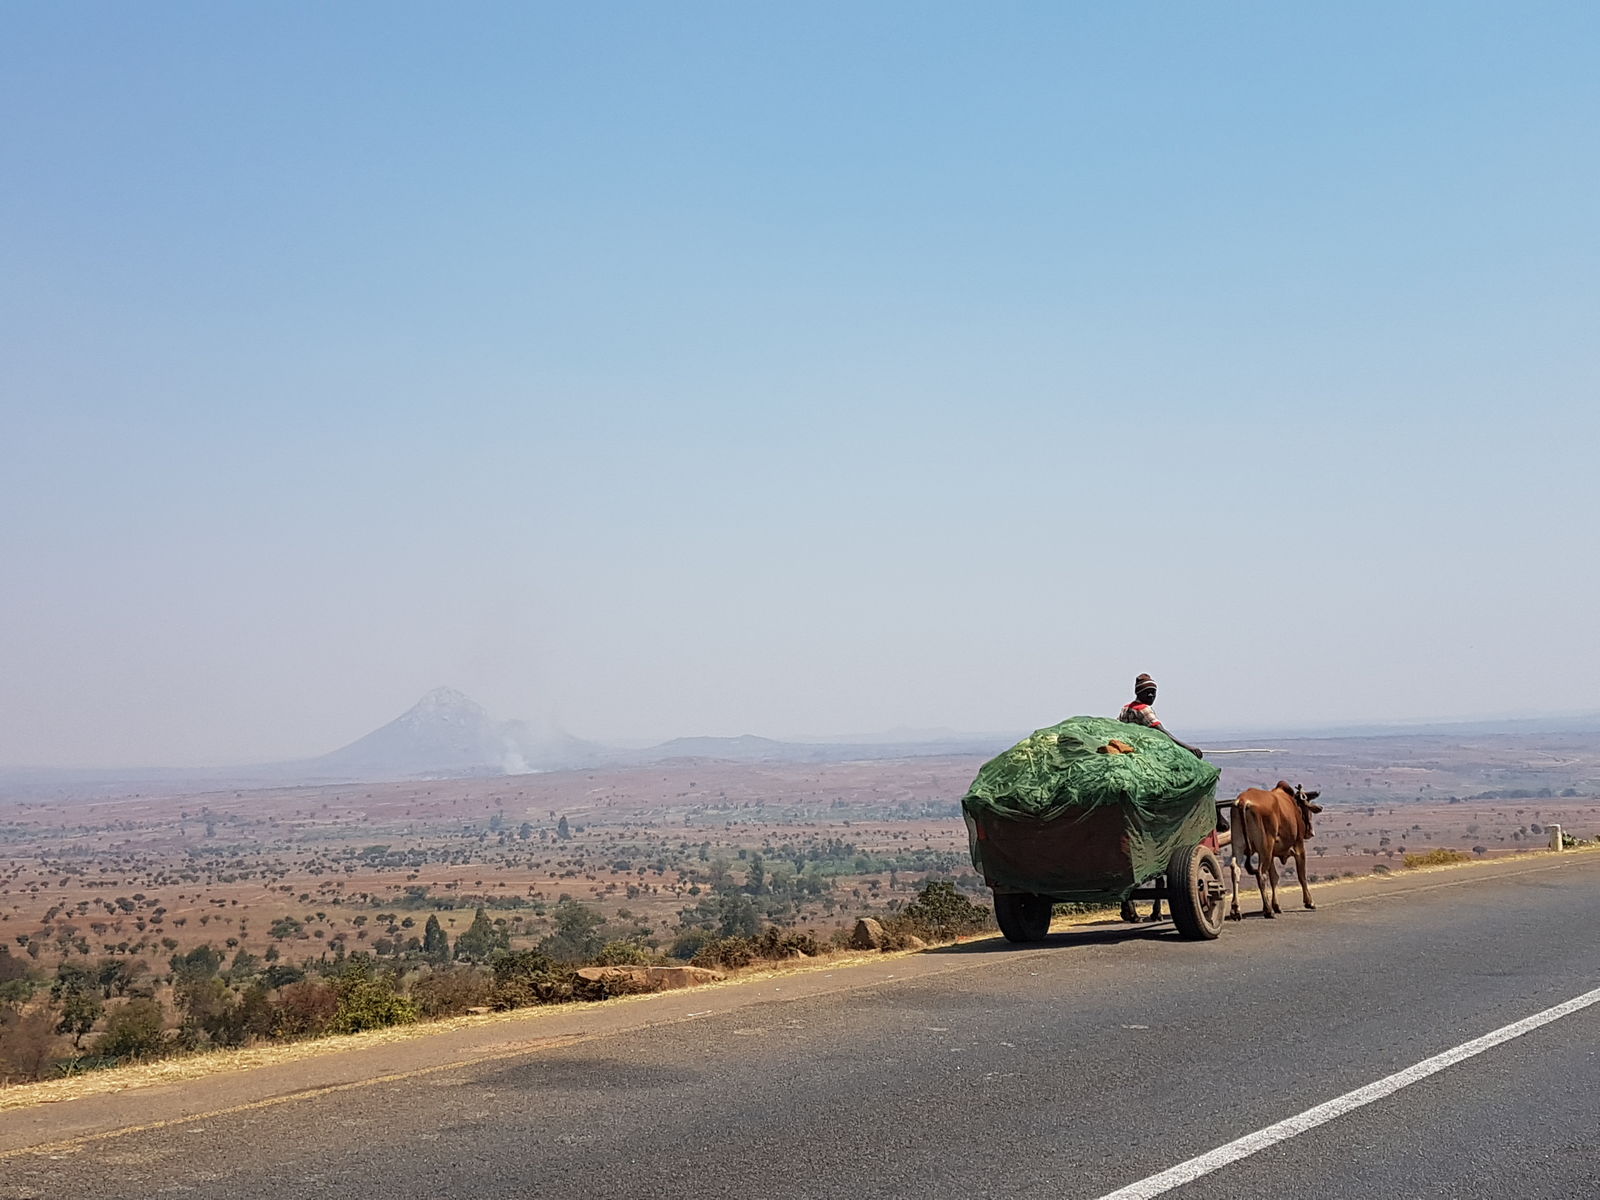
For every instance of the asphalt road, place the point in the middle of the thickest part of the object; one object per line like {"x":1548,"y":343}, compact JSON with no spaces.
{"x":1061,"y":1072}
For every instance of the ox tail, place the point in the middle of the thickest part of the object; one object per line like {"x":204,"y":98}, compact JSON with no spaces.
{"x":1241,"y":838}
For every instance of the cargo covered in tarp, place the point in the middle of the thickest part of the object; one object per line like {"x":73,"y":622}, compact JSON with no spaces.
{"x":1058,"y":816}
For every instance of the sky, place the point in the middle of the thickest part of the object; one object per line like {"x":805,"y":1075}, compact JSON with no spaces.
{"x":706,"y":369}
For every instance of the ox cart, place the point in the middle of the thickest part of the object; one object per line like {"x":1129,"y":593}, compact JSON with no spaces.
{"x":1093,"y":865}
{"x":1066,"y":817}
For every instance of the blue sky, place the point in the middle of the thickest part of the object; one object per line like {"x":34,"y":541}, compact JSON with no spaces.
{"x":791,"y":369}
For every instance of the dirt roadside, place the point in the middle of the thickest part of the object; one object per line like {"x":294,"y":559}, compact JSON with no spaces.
{"x":34,"y":1117}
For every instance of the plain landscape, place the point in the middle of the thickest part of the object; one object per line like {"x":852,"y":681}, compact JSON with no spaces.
{"x":136,"y":922}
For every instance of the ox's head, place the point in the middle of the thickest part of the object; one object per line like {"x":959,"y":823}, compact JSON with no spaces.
{"x":1303,"y":801}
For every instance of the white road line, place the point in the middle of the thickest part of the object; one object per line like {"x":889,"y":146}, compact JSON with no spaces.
{"x":1253,"y":1143}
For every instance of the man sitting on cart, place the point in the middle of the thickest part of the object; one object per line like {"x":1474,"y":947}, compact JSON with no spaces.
{"x":1142,"y":712}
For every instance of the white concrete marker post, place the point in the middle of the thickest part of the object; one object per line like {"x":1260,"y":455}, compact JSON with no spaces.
{"x":1555,"y":836}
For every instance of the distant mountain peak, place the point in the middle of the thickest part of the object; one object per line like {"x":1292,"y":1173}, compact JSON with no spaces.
{"x":445,"y":703}
{"x":448,"y":732}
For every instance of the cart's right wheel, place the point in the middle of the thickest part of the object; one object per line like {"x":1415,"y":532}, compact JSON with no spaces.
{"x":1023,"y":917}
{"x":1195,"y":893}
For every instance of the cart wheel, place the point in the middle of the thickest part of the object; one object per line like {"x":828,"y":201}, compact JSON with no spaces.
{"x":1195,"y":892}
{"x":1022,"y":917}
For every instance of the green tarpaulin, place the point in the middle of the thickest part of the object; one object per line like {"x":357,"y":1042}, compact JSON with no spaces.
{"x":1055,"y":816}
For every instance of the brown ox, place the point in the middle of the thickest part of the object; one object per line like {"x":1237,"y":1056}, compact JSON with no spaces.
{"x":1273,"y":825}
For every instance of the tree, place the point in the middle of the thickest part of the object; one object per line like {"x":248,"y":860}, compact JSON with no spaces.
{"x":576,"y":938}
{"x":435,"y":944}
{"x":211,"y":1008}
{"x":756,"y":876}
{"x":200,"y":963}
{"x":278,"y":976}
{"x":79,"y":1012}
{"x":737,"y":916}
{"x":481,"y":939}
{"x":77,"y":989}
{"x":117,"y":976}
{"x":563,"y":830}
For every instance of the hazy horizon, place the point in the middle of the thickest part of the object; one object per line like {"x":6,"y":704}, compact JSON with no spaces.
{"x":705,"y":371}
{"x":891,"y":736}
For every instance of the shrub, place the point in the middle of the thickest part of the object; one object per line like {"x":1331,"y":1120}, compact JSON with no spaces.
{"x":245,"y":1021}
{"x":203,"y":1001}
{"x":369,"y":1000}
{"x":615,"y":983}
{"x":688,"y":944}
{"x":18,"y":981}
{"x":770,"y":945}
{"x":1437,"y":858}
{"x":225,"y":1019}
{"x":26,"y":1042}
{"x":623,"y":954}
{"x":450,"y":991}
{"x":133,"y":1030}
{"x":14,"y":993}
{"x":727,"y":952}
{"x":527,"y":977}
{"x":304,"y":1009}
{"x":775,"y":943}
{"x":940,"y":914}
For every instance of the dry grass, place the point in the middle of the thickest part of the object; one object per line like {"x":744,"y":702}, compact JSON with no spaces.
{"x":1497,"y":860}
{"x":1436,"y":858}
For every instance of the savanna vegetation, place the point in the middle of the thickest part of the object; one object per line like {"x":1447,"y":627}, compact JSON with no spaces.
{"x":134,"y":926}
{"x":102,"y":1012}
